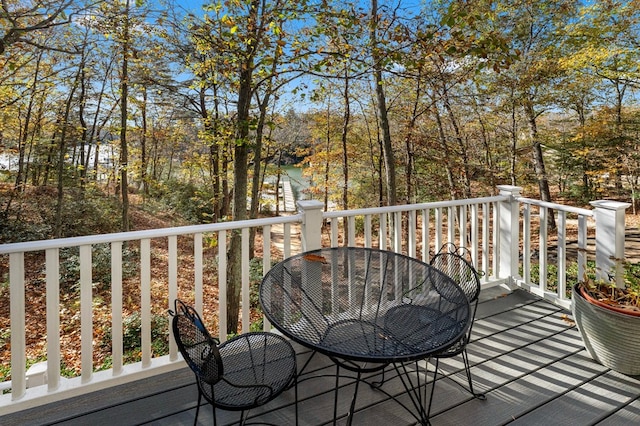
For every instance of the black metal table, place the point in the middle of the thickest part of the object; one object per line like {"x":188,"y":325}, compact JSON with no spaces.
{"x":366,"y":309}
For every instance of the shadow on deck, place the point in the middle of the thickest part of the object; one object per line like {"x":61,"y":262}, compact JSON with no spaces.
{"x":526,"y":354}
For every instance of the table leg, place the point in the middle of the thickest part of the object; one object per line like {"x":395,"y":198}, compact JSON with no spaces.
{"x":352,"y":409}
{"x":417,"y":395}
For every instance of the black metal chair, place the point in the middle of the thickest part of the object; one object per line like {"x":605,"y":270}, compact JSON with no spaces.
{"x":456,"y":263}
{"x":240,"y":374}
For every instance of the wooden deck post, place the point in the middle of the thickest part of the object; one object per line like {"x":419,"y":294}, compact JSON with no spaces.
{"x":509,"y":229}
{"x":610,"y":236}
{"x":311,"y":224}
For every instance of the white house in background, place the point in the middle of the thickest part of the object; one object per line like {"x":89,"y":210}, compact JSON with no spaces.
{"x":8,"y":161}
{"x":107,"y":160}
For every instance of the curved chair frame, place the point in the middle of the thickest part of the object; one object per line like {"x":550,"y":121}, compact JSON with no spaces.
{"x":240,"y":374}
{"x":456,"y":262}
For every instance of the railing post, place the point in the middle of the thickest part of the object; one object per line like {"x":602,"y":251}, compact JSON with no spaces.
{"x":311,"y":224}
{"x":509,"y":230}
{"x":610,"y":236}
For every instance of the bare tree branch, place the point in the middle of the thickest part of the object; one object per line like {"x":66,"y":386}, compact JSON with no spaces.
{"x":20,"y":20}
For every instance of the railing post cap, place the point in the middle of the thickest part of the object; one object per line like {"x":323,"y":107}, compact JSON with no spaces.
{"x":510,"y":190}
{"x":310,"y":204}
{"x":610,"y":205}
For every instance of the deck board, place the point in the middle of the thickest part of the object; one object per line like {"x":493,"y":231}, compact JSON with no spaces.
{"x":594,"y":399}
{"x":628,"y":415}
{"x":523,"y":395}
{"x":525,"y":355}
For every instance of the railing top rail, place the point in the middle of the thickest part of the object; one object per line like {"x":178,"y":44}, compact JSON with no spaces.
{"x":569,"y":209}
{"x":409,"y":207}
{"x":148,"y":233}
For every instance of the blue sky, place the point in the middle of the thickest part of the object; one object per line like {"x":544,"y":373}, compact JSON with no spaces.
{"x":195,"y":6}
{"x":191,"y":5}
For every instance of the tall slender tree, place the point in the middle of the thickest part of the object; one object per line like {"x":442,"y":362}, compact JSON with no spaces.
{"x":378,"y":59}
{"x":534,"y":28}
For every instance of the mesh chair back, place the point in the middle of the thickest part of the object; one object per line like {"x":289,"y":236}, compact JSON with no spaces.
{"x":450,"y":261}
{"x":196,"y":345}
{"x":454,"y":262}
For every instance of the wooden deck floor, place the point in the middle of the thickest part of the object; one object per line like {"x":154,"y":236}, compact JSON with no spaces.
{"x":526,"y":355}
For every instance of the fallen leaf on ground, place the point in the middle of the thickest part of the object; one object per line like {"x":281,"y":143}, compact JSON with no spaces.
{"x":565,"y":318}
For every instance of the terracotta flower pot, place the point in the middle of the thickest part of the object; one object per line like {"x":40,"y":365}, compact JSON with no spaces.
{"x":629,"y":310}
{"x":610,"y":337}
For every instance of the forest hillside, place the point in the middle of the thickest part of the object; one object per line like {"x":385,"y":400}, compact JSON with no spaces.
{"x":200,"y":107}
{"x":118,"y":115}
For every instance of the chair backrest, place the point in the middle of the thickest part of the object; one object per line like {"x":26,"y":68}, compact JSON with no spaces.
{"x":451,"y":260}
{"x":196,"y":345}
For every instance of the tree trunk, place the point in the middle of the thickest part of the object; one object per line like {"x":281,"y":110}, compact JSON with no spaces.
{"x":343,"y":137}
{"x":408,"y":142}
{"x":442,"y":139}
{"x":225,"y":191}
{"x":538,"y":160}
{"x":327,"y":165}
{"x":143,"y":144}
{"x":257,"y":166}
{"x":240,"y":175}
{"x":83,"y":130}
{"x":215,"y":159}
{"x":256,"y":183}
{"x":514,"y":144}
{"x":234,"y":256}
{"x":51,"y":152}
{"x":124,"y":153}
{"x":621,"y":88}
{"x":35,"y":170}
{"x":462,"y":153}
{"x":211,"y":130}
{"x":488,"y":158}
{"x":387,"y":148}
{"x":61,"y":156}
{"x":95,"y":129}
{"x":278,"y":183}
{"x":21,"y":176}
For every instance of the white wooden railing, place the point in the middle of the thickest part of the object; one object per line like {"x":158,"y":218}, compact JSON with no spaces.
{"x":604,"y":226}
{"x":497,"y":230}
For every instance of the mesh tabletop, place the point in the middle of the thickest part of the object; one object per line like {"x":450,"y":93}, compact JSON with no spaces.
{"x":364,"y":304}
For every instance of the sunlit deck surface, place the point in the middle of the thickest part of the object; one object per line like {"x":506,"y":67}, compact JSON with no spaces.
{"x":526,"y":355}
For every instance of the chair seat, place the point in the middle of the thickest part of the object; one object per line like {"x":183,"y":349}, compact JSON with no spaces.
{"x":411,"y":323}
{"x":257,"y":368}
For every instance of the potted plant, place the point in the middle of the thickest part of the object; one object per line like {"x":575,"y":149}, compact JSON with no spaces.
{"x":608,"y":317}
